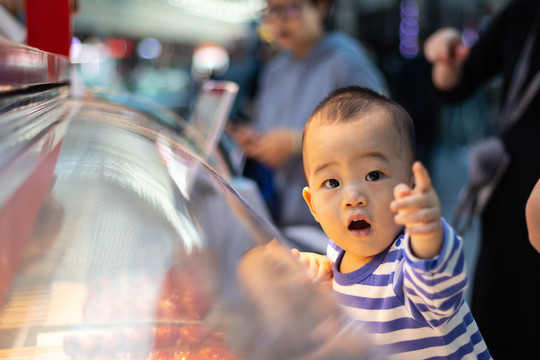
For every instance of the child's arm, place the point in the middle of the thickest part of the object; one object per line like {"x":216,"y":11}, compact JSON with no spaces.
{"x":420,"y":211}
{"x":434,"y":270}
{"x":319,"y":267}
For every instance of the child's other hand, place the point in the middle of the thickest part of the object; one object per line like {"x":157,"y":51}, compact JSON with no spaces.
{"x":319,"y":267}
{"x":420,"y":211}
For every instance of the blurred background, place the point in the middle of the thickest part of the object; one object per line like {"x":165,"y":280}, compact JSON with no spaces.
{"x":147,"y":46}
{"x":162,"y":49}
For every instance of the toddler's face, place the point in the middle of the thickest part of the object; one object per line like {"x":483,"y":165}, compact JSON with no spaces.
{"x":352,"y":170}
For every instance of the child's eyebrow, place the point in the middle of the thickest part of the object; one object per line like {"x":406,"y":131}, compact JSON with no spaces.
{"x":372,"y":154}
{"x":320,"y":168}
{"x":377,"y":155}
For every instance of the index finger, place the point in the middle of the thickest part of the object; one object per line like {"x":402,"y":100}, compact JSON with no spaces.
{"x":421,"y":178}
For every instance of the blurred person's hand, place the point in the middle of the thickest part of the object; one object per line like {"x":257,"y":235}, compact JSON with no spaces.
{"x":275,"y":147}
{"x":445,"y":50}
{"x":305,"y":321}
{"x":245,"y":136}
{"x":272,"y":148}
{"x":319,"y":268}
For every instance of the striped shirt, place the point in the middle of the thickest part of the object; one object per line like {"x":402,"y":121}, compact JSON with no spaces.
{"x":413,"y":307}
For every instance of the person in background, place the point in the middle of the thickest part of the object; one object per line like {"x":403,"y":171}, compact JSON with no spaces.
{"x":506,"y":290}
{"x":532,"y":213}
{"x":402,"y":275}
{"x":412,"y":90}
{"x":312,"y":62}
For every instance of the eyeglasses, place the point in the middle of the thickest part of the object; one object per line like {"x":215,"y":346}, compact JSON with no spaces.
{"x":288,"y":12}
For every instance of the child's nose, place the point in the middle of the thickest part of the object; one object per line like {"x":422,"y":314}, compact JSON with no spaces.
{"x":355,"y":197}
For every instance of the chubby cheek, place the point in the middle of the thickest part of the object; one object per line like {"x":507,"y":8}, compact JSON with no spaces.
{"x":324,"y":202}
{"x":328,"y":215}
{"x":385,"y":216}
{"x":391,"y":229}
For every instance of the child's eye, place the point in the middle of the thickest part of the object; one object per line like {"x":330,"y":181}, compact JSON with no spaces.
{"x":373,"y":176}
{"x":331,"y":183}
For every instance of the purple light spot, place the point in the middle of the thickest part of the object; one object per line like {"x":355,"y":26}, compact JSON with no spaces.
{"x":409,"y":8}
{"x":408,"y":52}
{"x":469,"y":37}
{"x":408,"y":30}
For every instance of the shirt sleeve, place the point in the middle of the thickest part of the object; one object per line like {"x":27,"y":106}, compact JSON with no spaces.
{"x":433,"y":288}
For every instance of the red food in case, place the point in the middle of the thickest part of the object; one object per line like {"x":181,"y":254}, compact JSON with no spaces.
{"x":170,"y":307}
{"x":218,"y":352}
{"x":188,"y":342}
{"x":166,"y":336}
{"x":186,"y":355}
{"x":183,"y":300}
{"x":195,"y":335}
{"x":196,"y":304}
{"x":187,"y":289}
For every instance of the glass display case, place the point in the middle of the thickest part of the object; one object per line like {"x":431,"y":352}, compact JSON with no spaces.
{"x":118,"y":241}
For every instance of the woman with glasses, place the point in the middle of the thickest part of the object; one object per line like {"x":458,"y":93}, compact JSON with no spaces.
{"x":312,"y":62}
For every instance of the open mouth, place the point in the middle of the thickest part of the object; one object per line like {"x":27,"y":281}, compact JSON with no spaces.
{"x":358,"y":225}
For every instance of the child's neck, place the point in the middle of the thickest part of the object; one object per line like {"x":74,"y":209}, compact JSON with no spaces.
{"x":351,"y":262}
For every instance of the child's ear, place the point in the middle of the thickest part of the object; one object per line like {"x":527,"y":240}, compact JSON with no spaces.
{"x":306,"y":193}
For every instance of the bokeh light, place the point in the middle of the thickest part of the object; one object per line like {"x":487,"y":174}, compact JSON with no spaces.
{"x":408,"y":29}
{"x":209,"y":58}
{"x":149,"y":48}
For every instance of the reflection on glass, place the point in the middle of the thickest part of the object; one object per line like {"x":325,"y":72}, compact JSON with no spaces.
{"x":142,"y":251}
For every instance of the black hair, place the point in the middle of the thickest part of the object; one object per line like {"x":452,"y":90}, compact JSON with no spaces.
{"x":329,"y":18}
{"x":351,"y":102}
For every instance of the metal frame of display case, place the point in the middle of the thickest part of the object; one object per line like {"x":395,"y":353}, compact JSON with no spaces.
{"x":31,"y":133}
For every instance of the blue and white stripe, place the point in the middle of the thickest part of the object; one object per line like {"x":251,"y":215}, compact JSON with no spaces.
{"x":413,"y":307}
